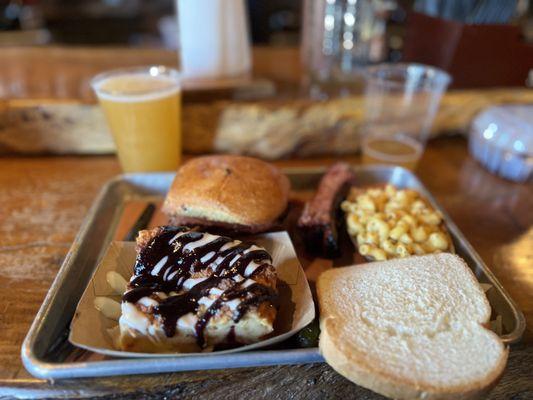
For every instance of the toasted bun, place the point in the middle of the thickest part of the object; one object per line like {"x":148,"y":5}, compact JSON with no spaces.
{"x":410,"y":328}
{"x":236,"y":190}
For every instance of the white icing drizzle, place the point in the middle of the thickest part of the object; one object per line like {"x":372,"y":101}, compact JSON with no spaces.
{"x":206,"y":301}
{"x":251,"y":248}
{"x":159,"y":265}
{"x":207,"y":257}
{"x":165,"y":275}
{"x":177,"y":235}
{"x":234,"y":260}
{"x":191,"y":282}
{"x":247,"y":283}
{"x":230,"y":245}
{"x":172,"y":275}
{"x":215,"y":291}
{"x":206,"y":238}
{"x":219,"y":260}
{"x":250,"y":268}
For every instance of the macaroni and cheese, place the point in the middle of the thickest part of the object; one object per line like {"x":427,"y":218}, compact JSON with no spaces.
{"x":390,"y":223}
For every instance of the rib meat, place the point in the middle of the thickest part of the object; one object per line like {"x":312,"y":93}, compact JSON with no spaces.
{"x":320,"y":220}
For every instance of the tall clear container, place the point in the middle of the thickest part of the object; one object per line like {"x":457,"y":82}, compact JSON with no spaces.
{"x":338,"y":38}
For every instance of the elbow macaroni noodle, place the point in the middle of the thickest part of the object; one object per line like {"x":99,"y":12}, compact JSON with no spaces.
{"x":390,"y":223}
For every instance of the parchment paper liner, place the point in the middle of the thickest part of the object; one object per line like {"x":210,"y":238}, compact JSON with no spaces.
{"x":89,"y":328}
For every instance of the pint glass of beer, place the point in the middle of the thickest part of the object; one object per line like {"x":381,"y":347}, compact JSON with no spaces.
{"x":143,"y":110}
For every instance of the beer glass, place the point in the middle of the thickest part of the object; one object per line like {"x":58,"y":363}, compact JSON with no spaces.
{"x":143,"y":109}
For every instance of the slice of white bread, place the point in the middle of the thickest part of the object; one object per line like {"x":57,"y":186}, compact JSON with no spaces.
{"x":411,"y":328}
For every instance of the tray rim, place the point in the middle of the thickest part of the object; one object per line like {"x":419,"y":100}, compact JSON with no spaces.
{"x":49,"y":370}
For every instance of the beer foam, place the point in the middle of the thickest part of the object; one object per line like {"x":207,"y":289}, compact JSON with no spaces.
{"x":136,"y":87}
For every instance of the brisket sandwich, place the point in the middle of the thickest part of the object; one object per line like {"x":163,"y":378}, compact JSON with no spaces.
{"x":228,"y":193}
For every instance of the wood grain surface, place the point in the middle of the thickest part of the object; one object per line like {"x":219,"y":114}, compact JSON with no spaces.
{"x":269,"y":129}
{"x":46,"y":111}
{"x":44,"y":200}
{"x":67,"y":72}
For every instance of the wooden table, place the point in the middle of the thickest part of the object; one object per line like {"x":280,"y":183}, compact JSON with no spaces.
{"x":68,"y":70}
{"x":44,"y":200}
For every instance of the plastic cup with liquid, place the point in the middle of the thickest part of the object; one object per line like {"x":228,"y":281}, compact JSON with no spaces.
{"x":401,"y":101}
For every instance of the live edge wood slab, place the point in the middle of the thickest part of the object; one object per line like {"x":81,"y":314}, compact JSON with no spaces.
{"x":44,"y":200}
{"x":48,"y":112}
{"x":271,"y":129}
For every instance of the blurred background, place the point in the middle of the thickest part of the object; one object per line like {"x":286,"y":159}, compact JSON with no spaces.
{"x":482,"y":43}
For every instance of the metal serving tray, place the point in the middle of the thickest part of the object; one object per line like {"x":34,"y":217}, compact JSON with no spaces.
{"x":46,"y":352}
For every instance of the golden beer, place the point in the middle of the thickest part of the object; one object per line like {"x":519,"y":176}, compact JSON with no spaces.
{"x":392,"y":150}
{"x":143,"y":109}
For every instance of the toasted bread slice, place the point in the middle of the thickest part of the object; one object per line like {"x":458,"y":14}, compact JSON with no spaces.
{"x":411,"y":328}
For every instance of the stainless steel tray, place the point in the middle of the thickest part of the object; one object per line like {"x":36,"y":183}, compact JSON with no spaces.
{"x":46,"y":352}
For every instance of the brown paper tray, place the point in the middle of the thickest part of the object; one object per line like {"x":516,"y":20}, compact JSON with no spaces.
{"x":90,"y":329}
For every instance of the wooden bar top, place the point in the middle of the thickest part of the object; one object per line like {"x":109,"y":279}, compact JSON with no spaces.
{"x":44,"y":201}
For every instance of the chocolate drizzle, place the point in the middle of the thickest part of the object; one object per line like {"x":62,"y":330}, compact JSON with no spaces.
{"x":175,"y":254}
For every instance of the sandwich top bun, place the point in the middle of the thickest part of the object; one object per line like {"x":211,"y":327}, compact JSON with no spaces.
{"x":227,"y":191}
{"x":411,"y":328}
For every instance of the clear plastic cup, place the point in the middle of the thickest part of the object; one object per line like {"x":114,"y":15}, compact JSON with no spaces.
{"x":401,"y":101}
